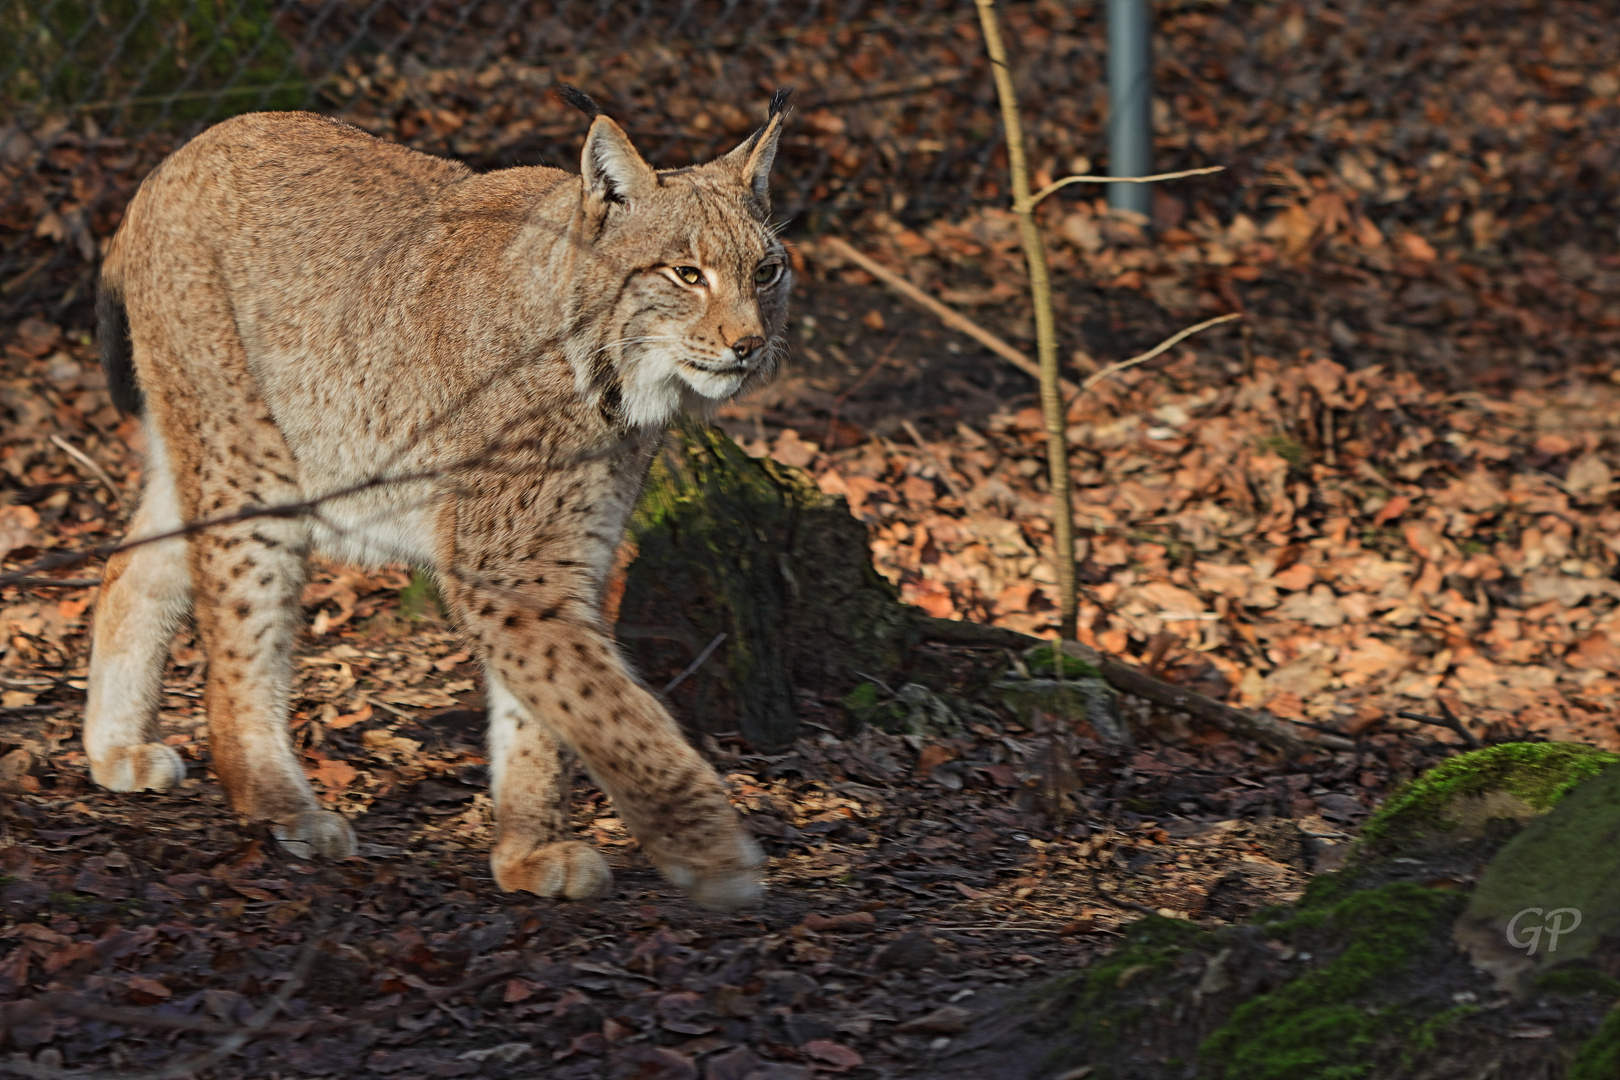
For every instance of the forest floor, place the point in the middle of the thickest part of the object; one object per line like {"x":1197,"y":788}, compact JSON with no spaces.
{"x":1330,"y":546}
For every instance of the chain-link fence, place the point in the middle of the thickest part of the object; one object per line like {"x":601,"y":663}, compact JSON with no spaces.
{"x":895,"y":116}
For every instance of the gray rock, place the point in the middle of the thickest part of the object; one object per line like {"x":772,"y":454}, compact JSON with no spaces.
{"x":1090,"y":700}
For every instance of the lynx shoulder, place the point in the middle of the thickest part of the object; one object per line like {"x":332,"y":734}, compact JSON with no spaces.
{"x":468,"y":372}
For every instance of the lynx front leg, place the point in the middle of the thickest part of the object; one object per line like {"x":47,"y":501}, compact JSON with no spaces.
{"x":145,"y":593}
{"x":533,"y":851}
{"x":569,"y":672}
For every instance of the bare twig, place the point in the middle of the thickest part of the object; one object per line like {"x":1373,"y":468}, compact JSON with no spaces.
{"x":690,"y":669}
{"x":1119,"y":901}
{"x":89,"y":463}
{"x":1168,"y":343}
{"x":54,"y":583}
{"x":1040,"y":289}
{"x":1059,"y":185}
{"x":838,"y":402}
{"x":928,"y":452}
{"x":945,"y":314}
{"x":366,"y":699}
{"x":1447,"y":719}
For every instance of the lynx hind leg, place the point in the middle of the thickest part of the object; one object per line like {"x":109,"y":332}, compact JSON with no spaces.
{"x":530,"y":788}
{"x":247,"y":571}
{"x":145,"y":593}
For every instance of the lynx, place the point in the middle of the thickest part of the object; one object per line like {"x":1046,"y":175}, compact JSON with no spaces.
{"x":467,"y":372}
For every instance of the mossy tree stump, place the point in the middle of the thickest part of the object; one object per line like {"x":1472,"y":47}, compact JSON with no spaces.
{"x":753,"y":549}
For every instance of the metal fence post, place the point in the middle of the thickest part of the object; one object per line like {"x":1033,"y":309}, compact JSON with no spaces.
{"x":1130,"y":102}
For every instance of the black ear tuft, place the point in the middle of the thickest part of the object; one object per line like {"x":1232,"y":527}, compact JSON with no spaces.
{"x":779,"y":101}
{"x":578,"y":98}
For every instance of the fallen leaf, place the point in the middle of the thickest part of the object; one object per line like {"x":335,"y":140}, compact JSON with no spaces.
{"x":933,"y":755}
{"x":333,"y":776}
{"x":833,"y":1054}
{"x":359,"y":716}
{"x":18,"y":525}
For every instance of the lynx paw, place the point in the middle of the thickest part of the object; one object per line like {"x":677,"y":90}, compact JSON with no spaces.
{"x":316,"y":834}
{"x":568,"y":869}
{"x":721,"y":884}
{"x":149,"y":766}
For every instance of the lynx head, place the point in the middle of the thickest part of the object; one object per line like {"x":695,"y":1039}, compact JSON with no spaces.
{"x":696,"y":280}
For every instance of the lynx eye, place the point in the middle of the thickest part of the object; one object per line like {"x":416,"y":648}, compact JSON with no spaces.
{"x":767,"y":275}
{"x":689,"y":274}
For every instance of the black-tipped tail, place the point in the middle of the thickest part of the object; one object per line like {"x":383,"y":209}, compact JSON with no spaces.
{"x":117,"y":360}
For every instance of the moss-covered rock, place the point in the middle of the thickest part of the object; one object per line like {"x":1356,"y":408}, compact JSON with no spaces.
{"x":911,"y":710}
{"x":1552,"y":893}
{"x":1361,"y":978}
{"x":1463,"y":798}
{"x":1338,"y":1021}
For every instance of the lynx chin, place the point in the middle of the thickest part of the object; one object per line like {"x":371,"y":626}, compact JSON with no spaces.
{"x":298,"y":309}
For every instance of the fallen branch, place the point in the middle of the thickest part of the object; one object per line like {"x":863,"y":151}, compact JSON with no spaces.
{"x":947,"y":315}
{"x":1132,"y":680}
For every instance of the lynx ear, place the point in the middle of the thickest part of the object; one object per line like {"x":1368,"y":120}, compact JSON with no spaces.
{"x":753,"y":158}
{"x":614,"y":172}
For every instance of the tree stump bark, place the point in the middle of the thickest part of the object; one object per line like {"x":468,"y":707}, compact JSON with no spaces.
{"x":753,"y":549}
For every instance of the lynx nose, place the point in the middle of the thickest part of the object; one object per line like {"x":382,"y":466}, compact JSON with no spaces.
{"x":744,"y":348}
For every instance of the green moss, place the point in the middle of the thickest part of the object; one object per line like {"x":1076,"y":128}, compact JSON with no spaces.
{"x":1599,"y":1057}
{"x":1290,"y":450}
{"x":870,"y":706}
{"x":1325,"y":891}
{"x":1575,"y":980}
{"x":1426,"y":1036}
{"x":420,"y":599}
{"x":862,"y":701}
{"x":1330,"y":1023}
{"x":1039,"y":660}
{"x":1513,"y":780}
{"x":1151,"y":946}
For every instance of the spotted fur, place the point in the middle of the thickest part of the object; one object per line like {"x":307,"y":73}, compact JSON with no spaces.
{"x":310,"y":309}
